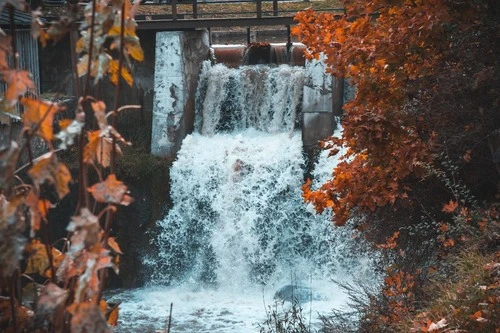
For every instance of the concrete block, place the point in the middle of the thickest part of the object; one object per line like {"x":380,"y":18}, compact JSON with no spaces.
{"x":316,"y":126}
{"x":179,"y":55}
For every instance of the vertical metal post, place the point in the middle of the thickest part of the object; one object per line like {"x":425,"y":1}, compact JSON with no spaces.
{"x":275,"y":7}
{"x":259,"y":8}
{"x":195,"y":9}
{"x":174,"y":10}
{"x":248,"y":35}
{"x":288,"y":44}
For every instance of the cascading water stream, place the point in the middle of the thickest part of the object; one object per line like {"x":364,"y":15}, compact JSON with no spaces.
{"x":238,"y":229}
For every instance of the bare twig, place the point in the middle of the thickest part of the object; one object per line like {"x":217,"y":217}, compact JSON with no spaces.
{"x":170,"y":318}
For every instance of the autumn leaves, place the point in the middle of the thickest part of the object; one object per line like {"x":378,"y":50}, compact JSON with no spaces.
{"x":70,"y":298}
{"x":380,"y":46}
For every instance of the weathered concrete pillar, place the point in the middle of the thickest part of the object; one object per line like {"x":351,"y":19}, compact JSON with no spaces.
{"x":179,"y":55}
{"x":317,"y":105}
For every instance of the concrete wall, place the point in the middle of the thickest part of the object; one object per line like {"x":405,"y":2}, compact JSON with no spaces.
{"x":320,"y":100}
{"x":177,"y":65}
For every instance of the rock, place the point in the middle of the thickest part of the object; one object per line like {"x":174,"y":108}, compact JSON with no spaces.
{"x":296,"y":294}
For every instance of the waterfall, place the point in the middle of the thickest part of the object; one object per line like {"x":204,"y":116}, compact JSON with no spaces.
{"x":262,"y":97}
{"x":238,"y":229}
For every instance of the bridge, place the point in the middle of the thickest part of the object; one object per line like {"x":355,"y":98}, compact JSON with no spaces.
{"x":183,"y":41}
{"x":186,"y":15}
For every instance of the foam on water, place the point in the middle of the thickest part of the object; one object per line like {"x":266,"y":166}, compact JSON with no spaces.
{"x":212,"y":310}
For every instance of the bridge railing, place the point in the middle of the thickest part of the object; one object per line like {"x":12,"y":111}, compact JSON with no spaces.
{"x":257,"y":12}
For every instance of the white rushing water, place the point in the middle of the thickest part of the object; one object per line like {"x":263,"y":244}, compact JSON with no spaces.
{"x":238,"y":230}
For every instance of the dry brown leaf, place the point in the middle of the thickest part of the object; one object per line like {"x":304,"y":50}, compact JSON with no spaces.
{"x":18,"y":82}
{"x":113,"y":316}
{"x":114,"y":245}
{"x":87,"y":317}
{"x":86,"y":231}
{"x":450,"y":207}
{"x":51,"y":297}
{"x":111,"y":191}
{"x":98,"y":149}
{"x":70,"y":129}
{"x":38,"y":210}
{"x":39,"y":115}
{"x":38,"y":29}
{"x":38,"y":261}
{"x":99,"y":108}
{"x":48,"y":168}
{"x":5,"y":50}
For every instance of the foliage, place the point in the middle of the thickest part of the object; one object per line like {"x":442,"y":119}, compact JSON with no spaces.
{"x":469,"y":299}
{"x":420,"y":159}
{"x":383,"y":48}
{"x":285,"y":321}
{"x":68,"y":279}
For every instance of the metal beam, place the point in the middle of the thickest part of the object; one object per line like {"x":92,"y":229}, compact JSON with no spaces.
{"x":190,"y":24}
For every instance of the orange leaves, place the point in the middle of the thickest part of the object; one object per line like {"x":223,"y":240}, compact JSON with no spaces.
{"x":450,"y":207}
{"x":399,"y":283}
{"x":99,"y":149}
{"x":38,"y":210}
{"x":398,"y":289}
{"x":107,"y":33}
{"x":39,"y":260}
{"x":51,"y":298}
{"x":89,"y":248}
{"x":113,"y":72}
{"x":39,"y":116}
{"x":111,"y":191}
{"x":135,"y":51}
{"x":87,"y":317}
{"x":434,"y":326}
{"x":86,"y":231}
{"x":37,"y":28}
{"x":100,"y":143}
{"x":5,"y":50}
{"x":70,"y":129}
{"x":379,"y":54}
{"x":48,"y":169}
{"x":390,"y":243}
{"x":100,"y":114}
{"x":111,"y":315}
{"x":18,"y":82}
{"x":478,"y":316}
{"x":114,"y":245}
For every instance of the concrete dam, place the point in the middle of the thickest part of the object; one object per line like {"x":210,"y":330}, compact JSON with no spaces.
{"x":179,"y":64}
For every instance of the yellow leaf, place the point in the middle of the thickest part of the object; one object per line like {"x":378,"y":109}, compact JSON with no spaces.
{"x":135,"y":51}
{"x":98,"y":149}
{"x":39,"y":115}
